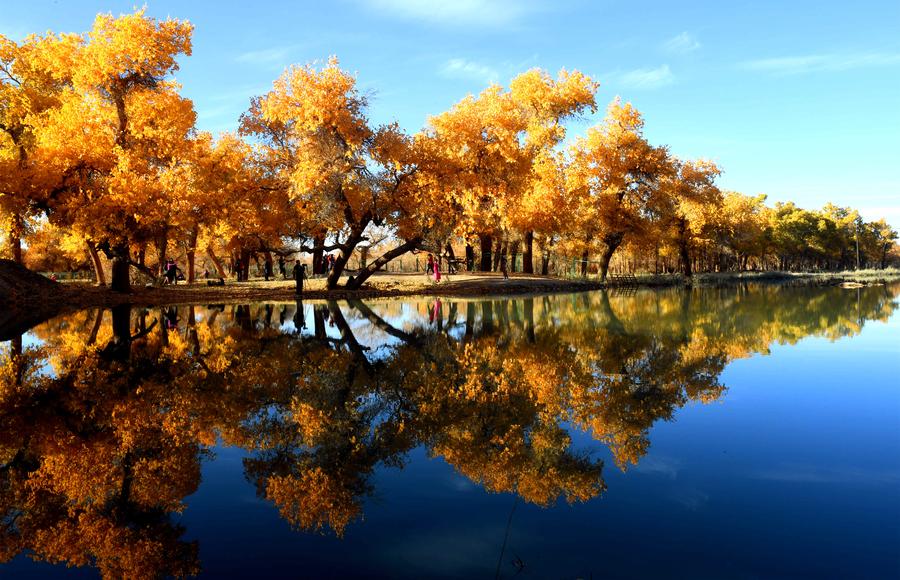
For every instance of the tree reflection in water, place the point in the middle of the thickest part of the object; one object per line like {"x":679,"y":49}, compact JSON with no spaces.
{"x":106,"y":417}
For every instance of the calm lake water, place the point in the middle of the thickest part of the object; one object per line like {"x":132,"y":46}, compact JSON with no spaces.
{"x":748,"y":432}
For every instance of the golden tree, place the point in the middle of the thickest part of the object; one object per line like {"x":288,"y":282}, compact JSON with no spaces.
{"x":118,"y":122}
{"x":615,"y":174}
{"x":490,"y":144}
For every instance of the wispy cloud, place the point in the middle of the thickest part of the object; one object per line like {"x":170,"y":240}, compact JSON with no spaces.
{"x":487,"y":13}
{"x":790,"y":65}
{"x":647,"y":78}
{"x":681,"y":44}
{"x":467,"y":69}
{"x":268,"y":56}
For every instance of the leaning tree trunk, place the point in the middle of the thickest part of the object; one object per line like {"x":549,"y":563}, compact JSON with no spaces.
{"x":216,"y":262}
{"x":528,"y":253}
{"x":487,"y":243}
{"x":370,"y":269}
{"x":611,"y":243}
{"x":99,"y":274}
{"x":343,"y":257}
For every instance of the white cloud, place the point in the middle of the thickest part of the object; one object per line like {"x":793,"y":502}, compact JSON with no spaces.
{"x":682,"y":44}
{"x":466,"y":69}
{"x":647,"y":78}
{"x":788,"y":65}
{"x":490,"y":13}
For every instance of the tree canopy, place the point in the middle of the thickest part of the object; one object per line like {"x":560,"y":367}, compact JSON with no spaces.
{"x":99,"y":150}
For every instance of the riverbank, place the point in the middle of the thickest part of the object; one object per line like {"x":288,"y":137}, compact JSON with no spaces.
{"x":464,"y":284}
{"x":378,"y":286}
{"x":31,"y":290}
{"x":28,"y":298}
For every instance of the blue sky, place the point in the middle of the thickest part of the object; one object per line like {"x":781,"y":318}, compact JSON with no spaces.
{"x":799,"y":100}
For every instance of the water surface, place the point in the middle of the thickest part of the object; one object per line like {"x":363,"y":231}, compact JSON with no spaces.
{"x":715,"y":433}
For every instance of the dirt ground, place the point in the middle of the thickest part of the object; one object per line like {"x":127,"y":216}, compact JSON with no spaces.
{"x":466,"y":284}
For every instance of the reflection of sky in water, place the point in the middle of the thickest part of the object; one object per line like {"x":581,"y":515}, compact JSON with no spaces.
{"x":795,"y":472}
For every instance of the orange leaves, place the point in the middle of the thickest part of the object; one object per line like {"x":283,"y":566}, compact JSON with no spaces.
{"x":313,"y":500}
{"x":131,"y":48}
{"x":491,"y":144}
{"x":308,"y":101}
{"x":102,"y":118}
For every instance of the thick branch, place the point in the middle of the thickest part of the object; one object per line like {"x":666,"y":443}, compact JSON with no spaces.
{"x":366,"y":272}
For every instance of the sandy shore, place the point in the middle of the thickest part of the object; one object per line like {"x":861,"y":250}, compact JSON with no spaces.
{"x":382,"y":285}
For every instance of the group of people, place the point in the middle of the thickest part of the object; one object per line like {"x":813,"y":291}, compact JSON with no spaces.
{"x":170,"y":272}
{"x":328,"y":261}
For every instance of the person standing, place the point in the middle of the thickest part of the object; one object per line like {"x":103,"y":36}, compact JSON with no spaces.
{"x":504,"y":267}
{"x":171,"y":271}
{"x":281,"y":267}
{"x":299,"y":275}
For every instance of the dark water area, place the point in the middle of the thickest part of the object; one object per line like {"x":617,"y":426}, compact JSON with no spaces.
{"x":748,"y":432}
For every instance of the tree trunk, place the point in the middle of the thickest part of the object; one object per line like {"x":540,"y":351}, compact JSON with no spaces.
{"x":528,"y":253}
{"x":611,"y":243}
{"x":529,"y":320}
{"x":216,"y":262}
{"x":319,"y":311}
{"x":16,"y":230}
{"x":336,"y":270}
{"x":499,"y":250}
{"x":514,"y":254}
{"x":487,"y":317}
{"x":683,"y":249}
{"x":162,"y":244}
{"x":584,"y":263}
{"x":318,"y":263}
{"x":545,"y":263}
{"x":190,"y":265}
{"x":99,"y":274}
{"x":357,"y":281}
{"x":119,"y":347}
{"x":244,"y":260}
{"x":487,"y":243}
{"x":470,"y":258}
{"x":120,"y":280}
{"x":191,"y":253}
